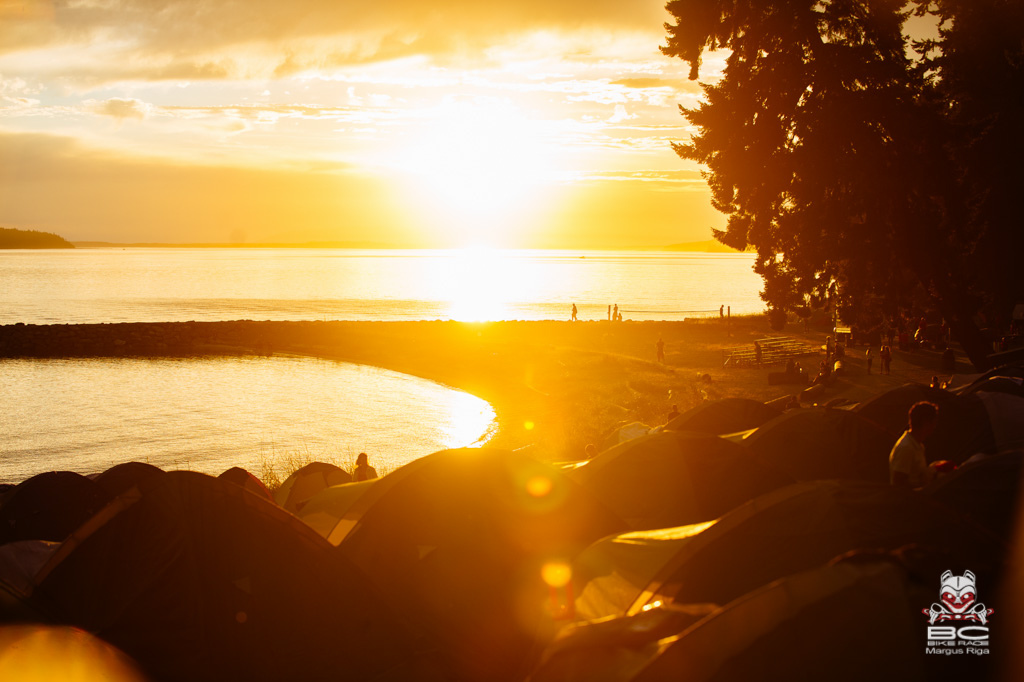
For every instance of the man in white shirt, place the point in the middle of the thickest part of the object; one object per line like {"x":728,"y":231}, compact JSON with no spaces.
{"x":908,"y":467}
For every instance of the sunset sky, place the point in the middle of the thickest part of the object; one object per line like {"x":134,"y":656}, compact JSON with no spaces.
{"x":536,"y":123}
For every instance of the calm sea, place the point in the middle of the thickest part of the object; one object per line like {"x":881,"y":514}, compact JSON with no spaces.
{"x":209,"y":415}
{"x":166,"y":285}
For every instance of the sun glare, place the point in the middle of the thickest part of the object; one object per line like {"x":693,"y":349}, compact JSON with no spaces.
{"x":478,"y":167}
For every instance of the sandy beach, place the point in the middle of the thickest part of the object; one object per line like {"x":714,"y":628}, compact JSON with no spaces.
{"x":555,"y":385}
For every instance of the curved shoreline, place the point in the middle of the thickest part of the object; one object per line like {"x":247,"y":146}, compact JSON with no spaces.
{"x":553,"y":384}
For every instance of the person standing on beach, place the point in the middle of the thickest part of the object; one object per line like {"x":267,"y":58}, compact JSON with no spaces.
{"x":573,"y":312}
{"x":868,"y":357}
{"x":908,"y":467}
{"x":363,"y":470}
{"x":609,"y":313}
{"x":615,"y":313}
{"x":721,"y":312}
{"x":661,"y":350}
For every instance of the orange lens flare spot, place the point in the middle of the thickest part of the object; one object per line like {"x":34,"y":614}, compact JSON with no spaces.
{"x":539,"y":486}
{"x":556,"y":573}
{"x":528,"y":426}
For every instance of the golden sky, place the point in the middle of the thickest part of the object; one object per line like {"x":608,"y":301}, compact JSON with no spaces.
{"x":530,"y":123}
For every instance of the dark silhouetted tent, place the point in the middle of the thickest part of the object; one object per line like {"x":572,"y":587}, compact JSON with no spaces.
{"x":985,"y":490}
{"x":326,"y":508}
{"x":728,"y":415}
{"x":851,"y":620}
{"x":123,"y":477}
{"x":857,"y":617}
{"x":197,"y":579}
{"x":1011,"y":385}
{"x":459,"y":539}
{"x":889,"y":410}
{"x":817,"y":443}
{"x":49,"y":506}
{"x":785,"y":531}
{"x":979,"y":422}
{"x":675,"y":478}
{"x":19,"y":563}
{"x":243,"y":478}
{"x":306,"y":482}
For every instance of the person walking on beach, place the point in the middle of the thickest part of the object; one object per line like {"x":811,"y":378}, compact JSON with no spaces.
{"x":573,"y":312}
{"x":908,"y":467}
{"x":868,"y":358}
{"x":363,"y":470}
{"x":721,"y":312}
{"x":886,"y":355}
{"x":609,"y":313}
{"x":661,"y":350}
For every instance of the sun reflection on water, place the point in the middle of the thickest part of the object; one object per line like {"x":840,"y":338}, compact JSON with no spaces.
{"x":470,"y":417}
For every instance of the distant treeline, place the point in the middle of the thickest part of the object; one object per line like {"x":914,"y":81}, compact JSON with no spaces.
{"x":31,"y":239}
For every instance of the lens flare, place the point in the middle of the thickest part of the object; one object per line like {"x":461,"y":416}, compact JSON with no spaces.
{"x":556,"y":574}
{"x":539,"y":486}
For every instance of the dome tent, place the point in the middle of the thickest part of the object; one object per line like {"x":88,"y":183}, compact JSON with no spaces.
{"x":985,"y":489}
{"x":123,"y":477}
{"x":728,"y":415}
{"x":674,"y":478}
{"x":818,"y":443}
{"x":29,"y":510}
{"x":853,"y":618}
{"x":243,"y":478}
{"x":889,"y":410}
{"x":457,"y":541}
{"x":197,"y":579}
{"x":785,"y":531}
{"x":304,"y":483}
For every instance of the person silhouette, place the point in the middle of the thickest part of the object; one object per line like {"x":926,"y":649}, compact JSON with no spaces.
{"x":573,"y":312}
{"x":363,"y":470}
{"x":615,"y":312}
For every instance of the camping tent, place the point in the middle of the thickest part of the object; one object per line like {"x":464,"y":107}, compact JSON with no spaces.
{"x":849,"y":621}
{"x":48,"y":506}
{"x":889,"y":410}
{"x":857,"y":617}
{"x":675,"y":478}
{"x":728,"y":415}
{"x":982,"y":421}
{"x":243,"y":478}
{"x":985,"y":489}
{"x":458,"y":541}
{"x":785,"y":531}
{"x":198,"y":579}
{"x":305,"y":483}
{"x":818,"y":443}
{"x":123,"y":477}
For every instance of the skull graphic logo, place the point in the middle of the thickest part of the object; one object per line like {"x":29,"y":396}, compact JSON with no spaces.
{"x":958,"y":600}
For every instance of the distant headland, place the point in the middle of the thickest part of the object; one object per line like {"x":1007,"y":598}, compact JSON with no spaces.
{"x":11,"y":238}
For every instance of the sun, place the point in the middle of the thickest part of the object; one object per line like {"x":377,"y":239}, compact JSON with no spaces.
{"x":479,"y":167}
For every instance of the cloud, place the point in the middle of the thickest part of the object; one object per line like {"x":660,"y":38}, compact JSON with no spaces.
{"x":162,"y":39}
{"x":119,"y":108}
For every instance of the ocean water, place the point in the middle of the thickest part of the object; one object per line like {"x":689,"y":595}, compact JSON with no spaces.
{"x":211,"y":414}
{"x":167,"y":285}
